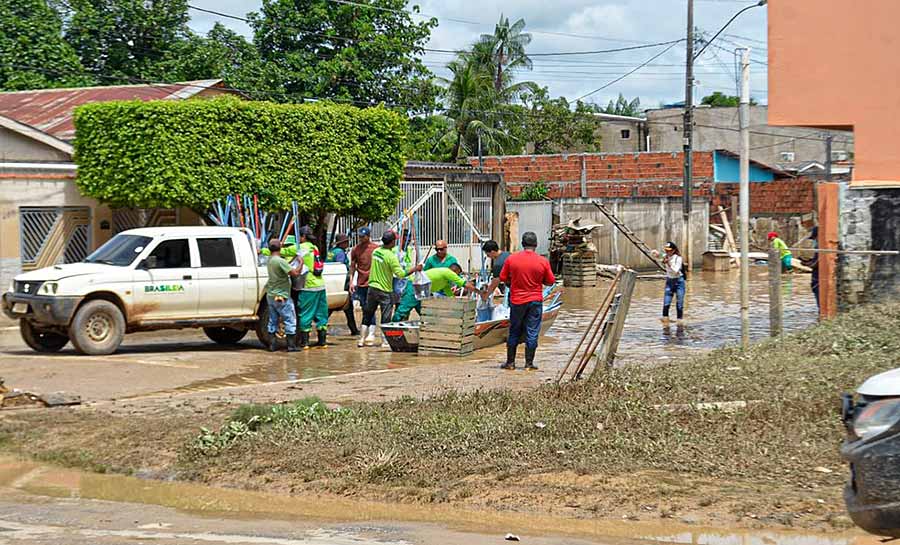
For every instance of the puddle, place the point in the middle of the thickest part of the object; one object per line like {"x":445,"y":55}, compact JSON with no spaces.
{"x":48,"y":481}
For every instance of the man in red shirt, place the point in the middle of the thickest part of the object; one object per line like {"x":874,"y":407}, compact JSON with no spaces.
{"x":526,"y":273}
{"x":360,"y":266}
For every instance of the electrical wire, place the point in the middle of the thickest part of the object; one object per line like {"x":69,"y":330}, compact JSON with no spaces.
{"x":623,"y":76}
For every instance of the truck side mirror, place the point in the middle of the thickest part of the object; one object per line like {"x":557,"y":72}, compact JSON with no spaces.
{"x":150,"y":262}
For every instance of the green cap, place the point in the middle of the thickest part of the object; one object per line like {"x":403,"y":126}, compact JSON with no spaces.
{"x":290,"y":240}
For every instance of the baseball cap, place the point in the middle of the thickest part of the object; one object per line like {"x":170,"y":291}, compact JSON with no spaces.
{"x":341,"y":238}
{"x":772,"y":234}
{"x":306,"y":231}
{"x":290,"y":240}
{"x":364,"y":232}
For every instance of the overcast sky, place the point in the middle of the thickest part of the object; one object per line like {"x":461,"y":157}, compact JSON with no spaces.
{"x":579,"y":25}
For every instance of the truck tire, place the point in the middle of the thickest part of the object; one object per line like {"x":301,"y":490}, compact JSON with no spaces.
{"x":97,"y":328}
{"x":262,"y":325}
{"x":41,"y":340}
{"x":225,"y":335}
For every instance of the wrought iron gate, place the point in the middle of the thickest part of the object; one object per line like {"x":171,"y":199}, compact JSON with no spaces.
{"x":52,"y":235}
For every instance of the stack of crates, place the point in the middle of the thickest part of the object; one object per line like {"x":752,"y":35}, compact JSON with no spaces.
{"x":580,"y":269}
{"x":447,"y":327}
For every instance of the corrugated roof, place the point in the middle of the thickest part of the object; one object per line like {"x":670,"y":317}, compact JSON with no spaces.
{"x":50,"y":110}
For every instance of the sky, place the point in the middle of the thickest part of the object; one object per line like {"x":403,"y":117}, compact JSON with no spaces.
{"x":585,"y":25}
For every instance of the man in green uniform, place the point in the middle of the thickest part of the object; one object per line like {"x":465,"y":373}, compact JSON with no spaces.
{"x":440,"y":258}
{"x":278,"y":297}
{"x":313,"y":299}
{"x":385,"y":267}
{"x":442,"y":281}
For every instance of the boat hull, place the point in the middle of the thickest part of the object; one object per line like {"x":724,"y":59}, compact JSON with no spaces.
{"x":404,"y":336}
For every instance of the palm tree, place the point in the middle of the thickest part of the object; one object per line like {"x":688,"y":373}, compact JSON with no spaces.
{"x":504,"y":50}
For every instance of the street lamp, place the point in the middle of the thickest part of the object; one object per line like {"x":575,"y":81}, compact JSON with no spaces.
{"x":735,"y":16}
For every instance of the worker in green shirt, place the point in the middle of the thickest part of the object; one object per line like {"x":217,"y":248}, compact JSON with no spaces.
{"x":313,"y":300}
{"x":442,"y":282}
{"x":786,"y":256}
{"x":440,"y":258}
{"x":278,"y":297}
{"x":385,"y":267}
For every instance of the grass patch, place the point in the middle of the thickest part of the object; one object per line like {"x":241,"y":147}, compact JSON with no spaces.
{"x":607,"y":426}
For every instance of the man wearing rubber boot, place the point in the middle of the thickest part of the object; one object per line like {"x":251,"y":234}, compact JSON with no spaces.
{"x":313,"y":299}
{"x":526,"y":273}
{"x":278,"y":297}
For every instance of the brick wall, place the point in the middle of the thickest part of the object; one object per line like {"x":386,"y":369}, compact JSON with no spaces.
{"x":647,"y":174}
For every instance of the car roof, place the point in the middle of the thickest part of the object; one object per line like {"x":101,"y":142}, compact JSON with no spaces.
{"x":172,"y":231}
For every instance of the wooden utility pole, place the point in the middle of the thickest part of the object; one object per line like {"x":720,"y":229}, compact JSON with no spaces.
{"x":688,"y":137}
{"x":745,"y":198}
{"x":775,"y":328}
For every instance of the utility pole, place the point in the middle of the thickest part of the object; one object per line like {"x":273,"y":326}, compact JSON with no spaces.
{"x":828,"y":140}
{"x":745,"y":198}
{"x":688,"y":136}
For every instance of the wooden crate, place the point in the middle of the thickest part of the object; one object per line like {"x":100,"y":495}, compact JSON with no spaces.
{"x":447,"y":327}
{"x":579,"y":269}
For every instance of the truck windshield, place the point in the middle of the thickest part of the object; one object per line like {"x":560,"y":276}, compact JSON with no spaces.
{"x":121,"y":250}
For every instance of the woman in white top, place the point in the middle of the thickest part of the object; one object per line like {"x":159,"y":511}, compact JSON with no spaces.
{"x":674,"y":264}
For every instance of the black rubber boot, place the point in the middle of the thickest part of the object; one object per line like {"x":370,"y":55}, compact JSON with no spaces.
{"x":304,"y":340}
{"x":510,"y":358}
{"x":273,"y":342}
{"x":322,"y":336}
{"x":291,"y":343}
{"x":529,"y":359}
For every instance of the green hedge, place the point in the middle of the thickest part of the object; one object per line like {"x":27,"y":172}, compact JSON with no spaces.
{"x":190,"y":153}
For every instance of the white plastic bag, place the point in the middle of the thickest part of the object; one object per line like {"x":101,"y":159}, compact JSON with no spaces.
{"x":421,"y":285}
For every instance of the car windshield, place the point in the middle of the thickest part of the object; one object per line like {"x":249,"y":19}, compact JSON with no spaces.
{"x":121,"y":250}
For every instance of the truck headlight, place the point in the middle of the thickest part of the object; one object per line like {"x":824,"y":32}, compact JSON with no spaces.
{"x":876,"y":418}
{"x":49,"y":288}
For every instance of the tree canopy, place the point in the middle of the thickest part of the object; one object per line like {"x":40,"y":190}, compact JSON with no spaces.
{"x":345,"y":52}
{"x":33,"y":54}
{"x":190,"y":153}
{"x":623,"y":106}
{"x":720,"y":100}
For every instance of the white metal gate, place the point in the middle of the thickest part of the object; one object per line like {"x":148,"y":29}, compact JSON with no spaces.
{"x":53,"y":235}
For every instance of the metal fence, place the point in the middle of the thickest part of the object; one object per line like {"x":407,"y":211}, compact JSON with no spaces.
{"x":53,"y":235}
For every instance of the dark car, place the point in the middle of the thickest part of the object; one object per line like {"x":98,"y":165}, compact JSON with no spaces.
{"x":872,"y":448}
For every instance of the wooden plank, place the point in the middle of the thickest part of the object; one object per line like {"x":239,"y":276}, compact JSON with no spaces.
{"x":439,"y":352}
{"x":450,"y":345}
{"x":828,"y":208}
{"x":729,"y":236}
{"x":435,"y":316}
{"x":426,"y":337}
{"x":775,"y":293}
{"x":463,"y":331}
{"x":448,"y":303}
{"x":610,"y":345}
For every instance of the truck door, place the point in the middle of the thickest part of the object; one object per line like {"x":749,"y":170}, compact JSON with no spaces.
{"x":164,"y":283}
{"x":221,"y":278}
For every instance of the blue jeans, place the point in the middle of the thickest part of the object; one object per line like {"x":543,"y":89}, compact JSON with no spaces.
{"x":284,"y":310}
{"x":361,"y":294}
{"x":674,"y":287}
{"x":525,"y":319}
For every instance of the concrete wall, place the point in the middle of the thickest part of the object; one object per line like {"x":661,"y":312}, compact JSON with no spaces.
{"x":808,"y":40}
{"x":869,"y":220}
{"x":18,"y":190}
{"x":535,"y":216}
{"x":16,"y":147}
{"x":611,"y":140}
{"x":653,"y":220}
{"x":665,"y":127}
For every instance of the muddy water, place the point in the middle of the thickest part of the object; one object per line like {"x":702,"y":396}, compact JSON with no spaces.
{"x":712,"y":319}
{"x":47,"y":481}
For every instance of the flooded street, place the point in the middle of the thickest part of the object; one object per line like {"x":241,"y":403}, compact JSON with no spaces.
{"x":49,"y":505}
{"x":185,"y":362}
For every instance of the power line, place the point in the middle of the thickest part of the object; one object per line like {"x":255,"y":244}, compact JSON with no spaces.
{"x":623,"y":76}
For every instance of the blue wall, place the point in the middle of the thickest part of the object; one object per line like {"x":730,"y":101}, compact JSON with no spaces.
{"x":728,"y":169}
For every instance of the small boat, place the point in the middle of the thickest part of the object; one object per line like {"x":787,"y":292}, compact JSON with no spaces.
{"x":404,"y":336}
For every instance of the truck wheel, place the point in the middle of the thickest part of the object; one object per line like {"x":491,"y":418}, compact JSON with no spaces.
{"x":97,"y":328}
{"x":41,"y":340}
{"x":225,"y":335}
{"x":262,"y":325}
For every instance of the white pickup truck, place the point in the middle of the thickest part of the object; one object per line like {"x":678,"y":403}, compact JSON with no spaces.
{"x":152,"y":278}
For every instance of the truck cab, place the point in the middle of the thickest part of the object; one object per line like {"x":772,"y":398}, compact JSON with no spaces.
{"x":152,"y":278}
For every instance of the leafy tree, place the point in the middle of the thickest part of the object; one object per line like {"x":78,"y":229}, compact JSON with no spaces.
{"x":366,"y":55}
{"x":327,"y":157}
{"x":504,"y":50}
{"x":622,"y":106}
{"x":720,"y":100}
{"x":551,"y":126}
{"x":426,"y":142}
{"x":126,"y":39}
{"x":33,"y":54}
{"x":224,"y":54}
